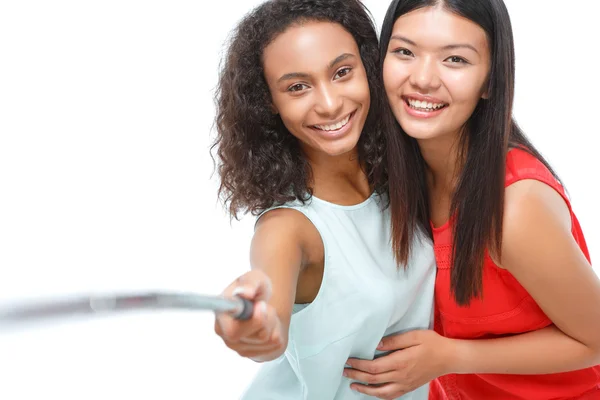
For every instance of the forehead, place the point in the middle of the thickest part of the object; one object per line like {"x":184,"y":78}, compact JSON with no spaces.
{"x":438,"y":27}
{"x":307,"y":47}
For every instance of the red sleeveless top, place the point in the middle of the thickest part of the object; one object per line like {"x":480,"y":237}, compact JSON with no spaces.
{"x":507,"y":309}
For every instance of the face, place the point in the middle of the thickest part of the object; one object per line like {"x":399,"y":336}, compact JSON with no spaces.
{"x":318,"y":86}
{"x":435,"y":71}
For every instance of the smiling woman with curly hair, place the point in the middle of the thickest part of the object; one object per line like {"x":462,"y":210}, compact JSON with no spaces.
{"x":261,"y":162}
{"x":301,"y":114}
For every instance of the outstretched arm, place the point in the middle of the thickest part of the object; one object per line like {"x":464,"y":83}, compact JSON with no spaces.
{"x":278,"y":254}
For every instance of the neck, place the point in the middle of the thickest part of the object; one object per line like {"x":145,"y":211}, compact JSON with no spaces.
{"x":442,"y":157}
{"x":339,"y":179}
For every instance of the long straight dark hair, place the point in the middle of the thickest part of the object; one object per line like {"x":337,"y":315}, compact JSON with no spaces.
{"x":477,"y":206}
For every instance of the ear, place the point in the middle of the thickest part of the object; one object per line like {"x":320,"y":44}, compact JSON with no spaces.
{"x":274,"y":109}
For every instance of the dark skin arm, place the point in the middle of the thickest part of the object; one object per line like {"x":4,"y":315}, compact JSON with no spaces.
{"x":286,"y":257}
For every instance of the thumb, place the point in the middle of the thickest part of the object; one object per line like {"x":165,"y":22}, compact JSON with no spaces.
{"x":400,"y":341}
{"x":254,"y":285}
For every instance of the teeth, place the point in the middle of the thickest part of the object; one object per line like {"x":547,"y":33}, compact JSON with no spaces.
{"x":425,"y":105}
{"x":334,"y":127}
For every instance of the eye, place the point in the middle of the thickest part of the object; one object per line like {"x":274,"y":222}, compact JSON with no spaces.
{"x":456,"y":60}
{"x":343,"y":72}
{"x":403,"y":52}
{"x":297,"y":87}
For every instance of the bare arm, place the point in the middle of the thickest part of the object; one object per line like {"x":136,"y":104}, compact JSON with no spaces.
{"x":281,"y":247}
{"x":277,"y":250}
{"x":539,"y":250}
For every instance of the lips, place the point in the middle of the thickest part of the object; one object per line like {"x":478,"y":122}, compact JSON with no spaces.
{"x":335,"y":129}
{"x":334,"y":126}
{"x":424,"y":108}
{"x":424,"y":103}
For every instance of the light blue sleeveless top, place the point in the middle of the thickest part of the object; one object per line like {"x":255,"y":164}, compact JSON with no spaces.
{"x":364,"y":296}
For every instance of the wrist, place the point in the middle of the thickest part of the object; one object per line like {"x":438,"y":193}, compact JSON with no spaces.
{"x":453,"y":356}
{"x":271,"y":356}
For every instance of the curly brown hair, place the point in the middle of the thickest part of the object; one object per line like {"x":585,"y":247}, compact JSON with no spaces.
{"x":260,"y":162}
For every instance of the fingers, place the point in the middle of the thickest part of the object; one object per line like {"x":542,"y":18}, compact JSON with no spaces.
{"x":254,"y":285}
{"x":400,"y":341}
{"x":389,"y":391}
{"x":260,"y":335}
{"x":235,"y":330}
{"x":371,"y":379}
{"x":251,"y":350}
{"x":262,"y":343}
{"x":256,"y":353}
{"x":375,"y":367}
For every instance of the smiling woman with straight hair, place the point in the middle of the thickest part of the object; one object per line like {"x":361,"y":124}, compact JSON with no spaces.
{"x":517,"y":301}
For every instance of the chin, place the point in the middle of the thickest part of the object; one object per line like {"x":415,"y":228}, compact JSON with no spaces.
{"x":336,"y":151}
{"x":419,"y":135}
{"x":421,"y":132}
{"x":339,"y":151}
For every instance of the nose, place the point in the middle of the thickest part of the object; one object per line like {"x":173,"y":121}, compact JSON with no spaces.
{"x":329,"y":102}
{"x":425,"y":75}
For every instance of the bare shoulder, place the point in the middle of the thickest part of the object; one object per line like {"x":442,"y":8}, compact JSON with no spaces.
{"x":288,"y":228}
{"x":280,"y":218}
{"x":532,"y":200}
{"x":535,"y":217}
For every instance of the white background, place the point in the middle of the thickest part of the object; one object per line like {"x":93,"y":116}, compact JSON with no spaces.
{"x":105,"y":179}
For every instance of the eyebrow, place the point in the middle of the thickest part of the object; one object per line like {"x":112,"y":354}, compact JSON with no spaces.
{"x":340,"y":58}
{"x":303,"y":75}
{"x":447,"y":47}
{"x":293,"y":75}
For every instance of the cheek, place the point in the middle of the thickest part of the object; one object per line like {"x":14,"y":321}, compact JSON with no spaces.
{"x":358,"y":90}
{"x":291,"y":111}
{"x":365,"y":95}
{"x":394,"y":75}
{"x":294,"y":126}
{"x":464,"y":88}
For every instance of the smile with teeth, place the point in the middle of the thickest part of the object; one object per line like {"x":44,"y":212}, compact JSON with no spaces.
{"x":424,"y":105}
{"x":334,"y":127}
